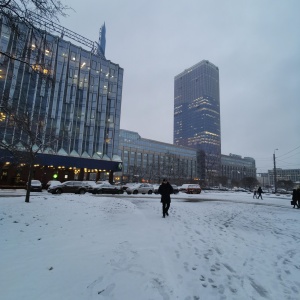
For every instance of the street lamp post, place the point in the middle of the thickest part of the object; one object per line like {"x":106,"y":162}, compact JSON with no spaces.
{"x":275,"y":177}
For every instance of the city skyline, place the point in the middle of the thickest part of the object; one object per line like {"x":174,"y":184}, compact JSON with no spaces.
{"x":255,"y":45}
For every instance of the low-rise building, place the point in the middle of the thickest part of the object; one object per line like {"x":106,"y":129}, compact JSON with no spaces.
{"x":284,"y":174}
{"x":237,"y":167}
{"x":151,"y":161}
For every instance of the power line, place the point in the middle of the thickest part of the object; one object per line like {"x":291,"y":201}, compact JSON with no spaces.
{"x":289,"y":163}
{"x":292,"y":155}
{"x":270,"y":158}
{"x":288,"y":152}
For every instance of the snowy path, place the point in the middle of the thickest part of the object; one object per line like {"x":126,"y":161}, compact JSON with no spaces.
{"x":89,"y":247}
{"x":227,"y":250}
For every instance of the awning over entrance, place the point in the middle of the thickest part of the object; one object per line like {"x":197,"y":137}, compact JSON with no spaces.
{"x":68,"y":161}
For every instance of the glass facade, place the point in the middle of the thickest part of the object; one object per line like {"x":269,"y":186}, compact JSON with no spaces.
{"x":197,"y":113}
{"x":236,"y":167}
{"x":284,"y":174}
{"x":75,"y":92}
{"x":151,"y":161}
{"x":102,"y":41}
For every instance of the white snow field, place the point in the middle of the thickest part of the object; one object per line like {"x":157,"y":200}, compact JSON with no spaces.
{"x":212,"y":246}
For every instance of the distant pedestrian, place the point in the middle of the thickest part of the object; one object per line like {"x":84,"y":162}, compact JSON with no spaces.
{"x":165,"y":190}
{"x":294,"y":198}
{"x":298,"y":197}
{"x":259,"y":191}
{"x":254,"y":194}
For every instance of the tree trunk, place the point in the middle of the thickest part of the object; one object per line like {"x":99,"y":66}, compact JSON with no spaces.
{"x":27,"y":197}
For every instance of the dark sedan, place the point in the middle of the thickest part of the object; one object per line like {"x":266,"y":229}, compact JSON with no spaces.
{"x":36,"y":186}
{"x":77,"y":187}
{"x":106,"y":188}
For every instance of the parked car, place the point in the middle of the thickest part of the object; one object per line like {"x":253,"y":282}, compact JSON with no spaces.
{"x":238,"y":189}
{"x":77,"y":187}
{"x":52,"y":182}
{"x":102,"y":181}
{"x":140,"y":188}
{"x":175,"y":189}
{"x":127,"y":185}
{"x":174,"y":186}
{"x":223,"y":188}
{"x":282,"y":191}
{"x":106,"y":188}
{"x":156,"y":187}
{"x":91,"y":184}
{"x":190,"y":188}
{"x":36,"y":186}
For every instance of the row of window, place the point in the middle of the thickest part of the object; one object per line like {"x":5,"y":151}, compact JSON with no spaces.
{"x":81,"y":105}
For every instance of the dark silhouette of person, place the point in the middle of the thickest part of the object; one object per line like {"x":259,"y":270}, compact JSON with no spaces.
{"x":298,"y":197}
{"x":254,"y":194}
{"x":165,"y":190}
{"x":259,"y":191}
{"x":295,"y":198}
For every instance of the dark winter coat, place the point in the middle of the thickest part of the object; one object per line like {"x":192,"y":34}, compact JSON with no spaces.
{"x":297,"y":198}
{"x":259,"y":190}
{"x":298,"y":194}
{"x":294,"y":197}
{"x":165,"y":190}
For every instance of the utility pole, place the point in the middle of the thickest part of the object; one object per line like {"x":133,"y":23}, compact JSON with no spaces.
{"x":275,"y":177}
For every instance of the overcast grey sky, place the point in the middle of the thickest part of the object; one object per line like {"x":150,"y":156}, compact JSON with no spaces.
{"x":255,"y":44}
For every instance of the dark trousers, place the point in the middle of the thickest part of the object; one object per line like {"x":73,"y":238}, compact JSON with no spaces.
{"x":165,"y":207}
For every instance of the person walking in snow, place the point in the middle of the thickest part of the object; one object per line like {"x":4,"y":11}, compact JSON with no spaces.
{"x":294,"y":198}
{"x":259,"y":191}
{"x":254,"y":194}
{"x":165,"y":190}
{"x":298,"y":197}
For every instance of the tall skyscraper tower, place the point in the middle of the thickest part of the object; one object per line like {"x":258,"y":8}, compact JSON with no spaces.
{"x":197,"y":115}
{"x":102,"y":41}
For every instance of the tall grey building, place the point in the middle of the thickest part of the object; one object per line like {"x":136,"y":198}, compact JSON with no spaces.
{"x":197,"y":115}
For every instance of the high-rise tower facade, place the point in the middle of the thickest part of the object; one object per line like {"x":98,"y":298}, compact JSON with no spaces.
{"x":197,"y":115}
{"x":102,"y":41}
{"x":71,"y":93}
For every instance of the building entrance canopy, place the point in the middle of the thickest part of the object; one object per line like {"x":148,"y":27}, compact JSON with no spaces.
{"x":68,"y":161}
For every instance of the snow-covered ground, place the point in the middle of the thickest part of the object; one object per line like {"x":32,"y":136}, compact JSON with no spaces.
{"x":212,"y":246}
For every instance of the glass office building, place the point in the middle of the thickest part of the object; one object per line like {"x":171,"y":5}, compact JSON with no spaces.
{"x":197,"y":114}
{"x":284,"y":175}
{"x":237,"y":167}
{"x":77,"y":92}
{"x":151,"y":161}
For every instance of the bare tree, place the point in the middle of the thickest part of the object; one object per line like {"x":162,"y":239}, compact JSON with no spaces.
{"x":50,"y":8}
{"x":249,"y":182}
{"x":24,"y":134}
{"x":18,"y":10}
{"x":136,"y":173}
{"x":286,"y":184}
{"x":153,"y":173}
{"x":27,"y":12}
{"x":222,"y":180}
